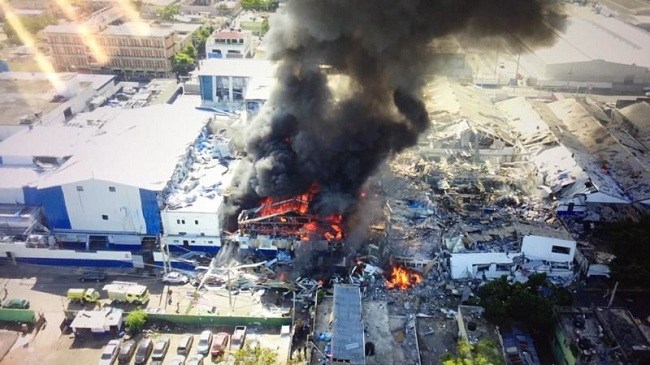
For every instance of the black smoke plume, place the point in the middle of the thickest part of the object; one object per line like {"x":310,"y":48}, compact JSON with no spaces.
{"x":312,"y":130}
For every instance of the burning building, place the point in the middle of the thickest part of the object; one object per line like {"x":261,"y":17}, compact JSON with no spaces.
{"x":334,"y":135}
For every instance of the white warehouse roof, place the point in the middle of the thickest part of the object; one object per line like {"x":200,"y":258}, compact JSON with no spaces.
{"x":593,"y":37}
{"x":138,"y":147}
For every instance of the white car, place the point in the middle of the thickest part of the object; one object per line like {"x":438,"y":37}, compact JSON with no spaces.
{"x":205,"y":341}
{"x":176,"y":360}
{"x":109,"y":352}
{"x":175,"y":277}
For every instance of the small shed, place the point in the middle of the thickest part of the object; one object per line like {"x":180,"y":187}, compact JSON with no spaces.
{"x":105,"y":320}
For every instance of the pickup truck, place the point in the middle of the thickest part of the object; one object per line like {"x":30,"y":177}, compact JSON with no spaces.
{"x":84,"y":295}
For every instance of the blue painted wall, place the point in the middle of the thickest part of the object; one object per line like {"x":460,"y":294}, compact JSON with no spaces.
{"x":206,"y":88}
{"x":32,"y":196}
{"x":150,"y":211}
{"x":54,"y":207}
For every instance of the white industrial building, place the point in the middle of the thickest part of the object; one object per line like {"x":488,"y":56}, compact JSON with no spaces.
{"x":537,"y":254}
{"x":100,"y":176}
{"x":224,"y":83}
{"x":229,"y":43}
{"x":594,"y":51}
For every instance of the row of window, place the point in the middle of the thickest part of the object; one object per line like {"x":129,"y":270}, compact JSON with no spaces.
{"x":110,"y":188}
{"x":186,"y":241}
{"x":138,"y":63}
{"x":229,"y":41}
{"x":109,"y":41}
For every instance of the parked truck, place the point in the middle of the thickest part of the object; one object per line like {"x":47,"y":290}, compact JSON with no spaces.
{"x":124,"y":291}
{"x":83,"y":295}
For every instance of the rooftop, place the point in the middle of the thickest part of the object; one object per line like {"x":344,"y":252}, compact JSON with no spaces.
{"x":137,"y":147}
{"x":611,"y":332}
{"x":236,"y":67}
{"x":602,"y":155}
{"x":259,"y":88}
{"x":230,"y":34}
{"x":149,"y":29}
{"x":26,"y":93}
{"x":590,"y":37}
{"x":347,"y":330}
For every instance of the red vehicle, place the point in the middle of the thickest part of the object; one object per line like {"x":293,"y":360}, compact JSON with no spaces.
{"x":220,"y":343}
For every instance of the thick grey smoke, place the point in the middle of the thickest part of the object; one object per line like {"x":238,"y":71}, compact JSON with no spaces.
{"x":336,"y":137}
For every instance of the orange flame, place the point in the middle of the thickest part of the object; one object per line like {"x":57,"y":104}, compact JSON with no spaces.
{"x":402,"y":278}
{"x":300,"y":205}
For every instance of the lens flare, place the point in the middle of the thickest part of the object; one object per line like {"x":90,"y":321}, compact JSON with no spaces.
{"x":28,"y":40}
{"x":87,"y":37}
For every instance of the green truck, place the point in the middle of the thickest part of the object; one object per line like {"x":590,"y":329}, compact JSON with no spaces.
{"x":84,"y":295}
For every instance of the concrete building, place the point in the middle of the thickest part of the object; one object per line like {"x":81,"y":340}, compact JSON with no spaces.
{"x":586,"y":336}
{"x":100,"y":176}
{"x":229,"y":43}
{"x":594,"y":51}
{"x":130,"y":49}
{"x":30,"y":99}
{"x":224,"y":83}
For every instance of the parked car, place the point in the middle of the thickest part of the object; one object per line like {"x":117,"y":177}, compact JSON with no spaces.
{"x":238,"y":337}
{"x":205,"y":340}
{"x":160,"y":349}
{"x":16,"y":304}
{"x":194,"y":360}
{"x":176,"y":360}
{"x":144,"y":350}
{"x":92,"y":275}
{"x":126,"y":352}
{"x":185,"y":344}
{"x":220,"y":343}
{"x":109,"y":352}
{"x":175,"y":277}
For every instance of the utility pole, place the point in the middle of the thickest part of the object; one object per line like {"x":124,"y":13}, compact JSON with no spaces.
{"x":517,"y":72}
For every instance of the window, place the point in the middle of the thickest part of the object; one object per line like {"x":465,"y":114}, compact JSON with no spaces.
{"x":182,"y":221}
{"x":561,"y":249}
{"x":105,"y":217}
{"x":192,"y":241}
{"x":80,"y":188}
{"x":111,"y":189}
{"x":196,"y":222}
{"x":210,"y":241}
{"x":175,"y":241}
{"x":178,"y":221}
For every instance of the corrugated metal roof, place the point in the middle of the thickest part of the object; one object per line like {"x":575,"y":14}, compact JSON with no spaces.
{"x":347,"y":329}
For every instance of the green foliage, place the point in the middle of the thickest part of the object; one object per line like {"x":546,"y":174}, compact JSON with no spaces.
{"x":255,"y":355}
{"x":630,"y":243}
{"x":33,"y":25}
{"x":265,"y":26}
{"x":168,"y":12}
{"x":530,"y":303}
{"x":182,"y":63}
{"x":266,"y":5}
{"x":199,"y":38}
{"x":136,"y":320}
{"x":483,"y":353}
{"x":190,"y":51}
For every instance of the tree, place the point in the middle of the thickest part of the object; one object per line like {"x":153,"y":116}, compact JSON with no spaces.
{"x":266,"y":5}
{"x":255,"y":355}
{"x":182,"y":63}
{"x":530,"y":303}
{"x":169,"y":12}
{"x":483,"y":353}
{"x":630,"y":243}
{"x":199,"y":38}
{"x":136,"y":320}
{"x":265,"y":26}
